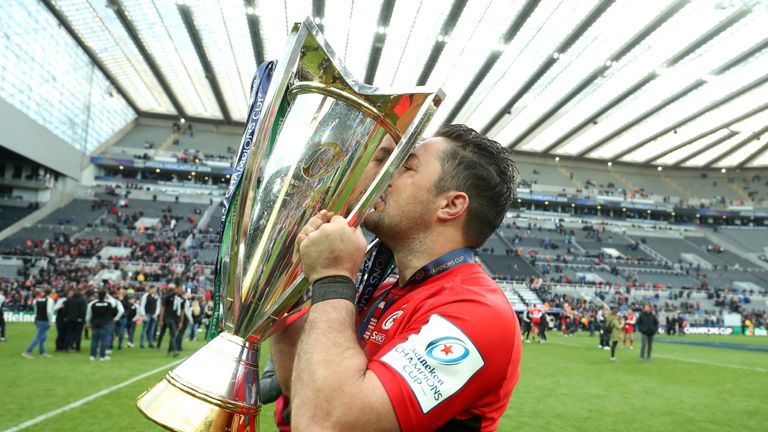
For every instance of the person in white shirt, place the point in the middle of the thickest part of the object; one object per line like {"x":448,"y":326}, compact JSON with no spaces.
{"x":149,"y":310}
{"x":119,"y":311}
{"x":43,"y":307}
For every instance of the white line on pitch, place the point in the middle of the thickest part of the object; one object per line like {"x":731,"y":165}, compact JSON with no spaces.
{"x":710,"y":363}
{"x":704,"y":362}
{"x":87,"y":399}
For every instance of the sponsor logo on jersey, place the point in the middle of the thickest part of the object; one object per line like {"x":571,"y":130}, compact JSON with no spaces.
{"x":377,"y":338}
{"x":387,"y":324}
{"x":436,"y":362}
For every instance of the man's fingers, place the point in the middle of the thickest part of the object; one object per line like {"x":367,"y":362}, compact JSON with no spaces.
{"x":338,"y":220}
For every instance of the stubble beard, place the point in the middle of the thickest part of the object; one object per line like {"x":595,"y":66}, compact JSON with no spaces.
{"x":396,"y":232}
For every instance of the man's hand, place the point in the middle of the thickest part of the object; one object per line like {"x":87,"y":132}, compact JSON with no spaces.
{"x":329,"y":247}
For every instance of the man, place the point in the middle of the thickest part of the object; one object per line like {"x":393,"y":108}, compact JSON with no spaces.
{"x":60,"y":310}
{"x":537,"y":322}
{"x":527,"y":324}
{"x":629,"y":329}
{"x":76,"y":309}
{"x":172,"y":317}
{"x":131,"y":311}
{"x":2,"y":315}
{"x":186,"y":308}
{"x":440,"y":347}
{"x":122,"y":323}
{"x":100,"y":317}
{"x":43,"y":308}
{"x":648,"y":325}
{"x":149,"y":311}
{"x":117,"y":315}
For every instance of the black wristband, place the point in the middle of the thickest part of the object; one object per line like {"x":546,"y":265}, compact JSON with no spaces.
{"x":333,"y":288}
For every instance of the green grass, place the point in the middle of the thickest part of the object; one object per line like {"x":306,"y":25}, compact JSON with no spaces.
{"x":567,"y":384}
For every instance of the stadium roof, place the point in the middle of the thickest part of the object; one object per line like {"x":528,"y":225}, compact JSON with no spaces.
{"x":673,"y":83}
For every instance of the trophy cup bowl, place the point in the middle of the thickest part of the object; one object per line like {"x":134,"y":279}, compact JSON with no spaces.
{"x":312,"y":150}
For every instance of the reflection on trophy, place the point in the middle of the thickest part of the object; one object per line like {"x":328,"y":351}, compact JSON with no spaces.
{"x":324,"y":130}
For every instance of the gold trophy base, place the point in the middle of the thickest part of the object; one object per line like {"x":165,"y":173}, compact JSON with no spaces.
{"x":177,"y":410}
{"x":214,"y":390}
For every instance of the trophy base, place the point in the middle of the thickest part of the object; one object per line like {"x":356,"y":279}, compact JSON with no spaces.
{"x":186,"y":400}
{"x":177,"y":410}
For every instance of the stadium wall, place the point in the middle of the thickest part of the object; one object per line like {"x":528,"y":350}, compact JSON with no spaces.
{"x":21,"y":134}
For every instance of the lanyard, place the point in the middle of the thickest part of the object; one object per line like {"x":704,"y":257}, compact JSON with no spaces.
{"x":440,"y":265}
{"x":377,"y":268}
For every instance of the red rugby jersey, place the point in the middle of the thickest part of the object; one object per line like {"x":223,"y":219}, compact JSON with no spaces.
{"x":447,"y":348}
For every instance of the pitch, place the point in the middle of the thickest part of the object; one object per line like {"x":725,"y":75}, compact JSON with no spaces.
{"x":567,"y":384}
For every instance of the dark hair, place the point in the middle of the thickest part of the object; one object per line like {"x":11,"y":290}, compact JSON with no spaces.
{"x":102,"y":294}
{"x":485,"y":171}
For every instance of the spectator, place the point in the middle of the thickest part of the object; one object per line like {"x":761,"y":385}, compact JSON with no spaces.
{"x":149,"y":310}
{"x":99,"y":317}
{"x":76,"y":310}
{"x":43,"y":308}
{"x":648,"y":325}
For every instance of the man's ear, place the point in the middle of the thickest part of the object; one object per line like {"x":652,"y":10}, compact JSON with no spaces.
{"x":455,"y":204}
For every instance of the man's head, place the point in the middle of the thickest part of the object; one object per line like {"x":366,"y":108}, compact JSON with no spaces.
{"x":102,"y":294}
{"x":458,"y":183}
{"x":647,"y":307}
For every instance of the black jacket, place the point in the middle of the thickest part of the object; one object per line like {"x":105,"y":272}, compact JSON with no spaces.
{"x":647,"y":323}
{"x":76,"y":306}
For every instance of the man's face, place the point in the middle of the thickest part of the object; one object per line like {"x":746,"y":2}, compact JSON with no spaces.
{"x":647,"y":308}
{"x":408,"y":206}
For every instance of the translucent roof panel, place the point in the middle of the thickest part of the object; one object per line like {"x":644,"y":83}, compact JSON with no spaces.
{"x":228,"y":46}
{"x":476,"y":37}
{"x":101,"y":31}
{"x":722,"y":116}
{"x":664,"y":44}
{"x":162,"y":32}
{"x":636,"y":82}
{"x":760,"y":161}
{"x":683,"y":152}
{"x":410,"y":41}
{"x":535,"y":44}
{"x":47,"y":76}
{"x":589,"y":54}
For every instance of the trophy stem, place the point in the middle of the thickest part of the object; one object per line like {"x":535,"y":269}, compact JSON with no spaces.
{"x":218,"y":386}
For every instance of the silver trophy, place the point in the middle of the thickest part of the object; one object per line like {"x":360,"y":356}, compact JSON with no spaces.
{"x":314,"y":149}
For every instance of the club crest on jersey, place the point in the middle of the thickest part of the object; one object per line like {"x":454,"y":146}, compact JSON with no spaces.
{"x":447,"y":350}
{"x":387,"y":324}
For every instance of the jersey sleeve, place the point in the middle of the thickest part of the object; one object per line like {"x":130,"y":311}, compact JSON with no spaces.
{"x":442,"y":364}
